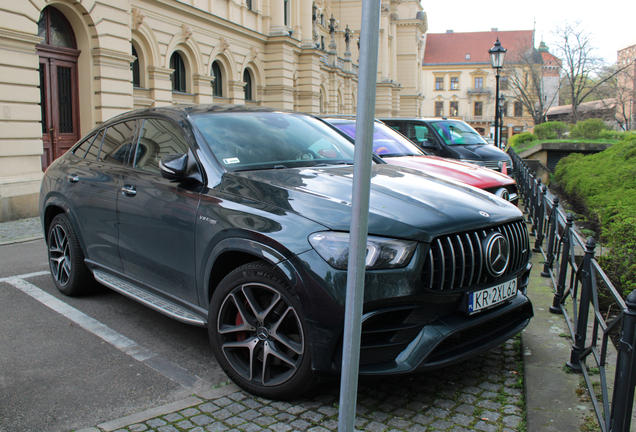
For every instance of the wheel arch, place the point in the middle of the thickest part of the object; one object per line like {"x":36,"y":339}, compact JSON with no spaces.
{"x":54,"y":207}
{"x":231,"y":253}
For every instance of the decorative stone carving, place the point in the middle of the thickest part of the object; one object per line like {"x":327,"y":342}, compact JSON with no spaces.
{"x":138,"y":18}
{"x":254,"y":53}
{"x":225,"y":44}
{"x":385,"y":8}
{"x":187,"y":32}
{"x":394,"y":18}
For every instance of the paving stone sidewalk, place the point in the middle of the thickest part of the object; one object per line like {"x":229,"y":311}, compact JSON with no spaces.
{"x":484,"y":394}
{"x":20,"y":230}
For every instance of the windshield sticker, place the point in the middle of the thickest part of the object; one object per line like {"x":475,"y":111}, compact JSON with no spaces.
{"x":231,"y":161}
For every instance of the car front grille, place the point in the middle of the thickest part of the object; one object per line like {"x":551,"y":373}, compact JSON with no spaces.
{"x":494,"y":165}
{"x":457,"y":261}
{"x":511,"y":188}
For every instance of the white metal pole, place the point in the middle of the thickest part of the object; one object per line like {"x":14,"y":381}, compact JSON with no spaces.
{"x":369,"y":34}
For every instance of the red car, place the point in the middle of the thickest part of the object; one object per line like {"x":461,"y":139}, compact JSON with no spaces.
{"x":395,"y":149}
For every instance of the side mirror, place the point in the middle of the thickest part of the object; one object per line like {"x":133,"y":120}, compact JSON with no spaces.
{"x":173,"y":166}
{"x":428,"y":144}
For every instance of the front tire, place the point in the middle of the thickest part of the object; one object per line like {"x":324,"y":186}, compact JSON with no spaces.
{"x":66,"y":258}
{"x":258,"y":334}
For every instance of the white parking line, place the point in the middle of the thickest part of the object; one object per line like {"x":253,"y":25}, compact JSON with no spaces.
{"x":154,"y":361}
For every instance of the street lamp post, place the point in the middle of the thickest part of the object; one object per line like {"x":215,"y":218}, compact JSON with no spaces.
{"x":501,"y":116}
{"x":497,"y":55}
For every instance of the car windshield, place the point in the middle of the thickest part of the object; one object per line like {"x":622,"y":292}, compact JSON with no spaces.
{"x":386,"y":141}
{"x":265,"y":140}
{"x":458,"y":133}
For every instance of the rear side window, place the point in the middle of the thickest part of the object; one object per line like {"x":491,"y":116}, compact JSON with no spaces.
{"x":117,"y":143}
{"x":81,"y":150}
{"x":89,"y":148}
{"x":157,"y":139}
{"x":93,"y":151}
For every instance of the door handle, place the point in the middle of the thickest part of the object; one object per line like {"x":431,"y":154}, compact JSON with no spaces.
{"x":73,"y":178}
{"x":129,"y":190}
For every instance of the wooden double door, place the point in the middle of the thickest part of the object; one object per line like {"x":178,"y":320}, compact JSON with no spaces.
{"x":59,"y":101}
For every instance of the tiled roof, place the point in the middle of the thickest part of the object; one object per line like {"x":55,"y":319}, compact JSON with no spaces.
{"x":598,"y":105}
{"x":550,"y":60}
{"x":452,"y":48}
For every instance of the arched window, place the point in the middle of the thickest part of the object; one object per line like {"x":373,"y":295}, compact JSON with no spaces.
{"x":136,"y":80}
{"x":247,"y":79}
{"x":54,"y":29}
{"x":218,"y":80}
{"x":178,"y":77}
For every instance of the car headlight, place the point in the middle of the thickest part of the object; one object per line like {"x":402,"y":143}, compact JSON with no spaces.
{"x":382,"y":253}
{"x":474,"y":162}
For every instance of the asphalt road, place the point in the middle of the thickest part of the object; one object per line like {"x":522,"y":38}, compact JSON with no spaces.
{"x":69,"y":363}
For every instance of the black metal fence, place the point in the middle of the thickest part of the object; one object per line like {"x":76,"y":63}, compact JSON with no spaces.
{"x":596,"y":314}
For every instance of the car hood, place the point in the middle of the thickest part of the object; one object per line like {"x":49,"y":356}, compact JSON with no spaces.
{"x":482,"y":152}
{"x":453,"y":170}
{"x":404,"y":203}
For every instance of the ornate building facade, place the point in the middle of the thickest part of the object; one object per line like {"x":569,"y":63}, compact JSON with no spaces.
{"x":69,"y":65}
{"x":460,"y":81}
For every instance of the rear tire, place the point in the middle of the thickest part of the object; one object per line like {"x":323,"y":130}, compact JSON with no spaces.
{"x":258,"y":333}
{"x":66,"y":258}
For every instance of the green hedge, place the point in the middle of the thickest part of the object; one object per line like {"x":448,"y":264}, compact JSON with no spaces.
{"x":606,"y":183}
{"x":550,"y":130}
{"x":588,"y":129}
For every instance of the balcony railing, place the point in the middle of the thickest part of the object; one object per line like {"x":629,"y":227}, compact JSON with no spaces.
{"x":478,"y":90}
{"x":478,"y":119}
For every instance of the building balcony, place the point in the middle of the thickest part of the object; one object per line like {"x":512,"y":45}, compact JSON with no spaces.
{"x":478,"y":119}
{"x":478,"y":90}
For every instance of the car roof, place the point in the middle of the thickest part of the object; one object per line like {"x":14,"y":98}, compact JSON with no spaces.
{"x":429,"y":119}
{"x":182,"y":111}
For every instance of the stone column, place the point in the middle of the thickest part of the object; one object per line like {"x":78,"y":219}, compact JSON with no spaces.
{"x":277,"y":18}
{"x":237,"y":92}
{"x":160,"y":85}
{"x":306,"y":24}
{"x":202,"y":89}
{"x":309,"y":81}
{"x":113,"y":89}
{"x":279,"y":65}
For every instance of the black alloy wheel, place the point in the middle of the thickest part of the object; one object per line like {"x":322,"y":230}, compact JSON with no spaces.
{"x":257,"y":332}
{"x":66,"y":258}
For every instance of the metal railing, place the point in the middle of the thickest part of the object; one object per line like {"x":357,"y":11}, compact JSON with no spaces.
{"x":577,"y":276}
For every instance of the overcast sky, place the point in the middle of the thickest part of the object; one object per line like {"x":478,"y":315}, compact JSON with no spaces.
{"x":611,"y":23}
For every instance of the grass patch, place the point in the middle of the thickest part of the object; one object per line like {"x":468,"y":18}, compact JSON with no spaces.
{"x":604,"y":184}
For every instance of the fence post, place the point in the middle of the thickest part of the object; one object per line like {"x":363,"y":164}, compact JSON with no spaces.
{"x":584,"y":307}
{"x":563,"y":270}
{"x":625,"y":377}
{"x":554,"y":225}
{"x":540,"y":219}
{"x":532,"y":202}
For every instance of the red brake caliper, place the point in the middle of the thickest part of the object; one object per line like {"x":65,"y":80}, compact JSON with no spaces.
{"x":240,"y":336}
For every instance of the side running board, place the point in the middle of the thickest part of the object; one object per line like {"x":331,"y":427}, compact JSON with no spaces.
{"x":151,"y":300}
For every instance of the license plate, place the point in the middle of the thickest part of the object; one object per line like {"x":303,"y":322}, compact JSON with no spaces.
{"x":489,"y":297}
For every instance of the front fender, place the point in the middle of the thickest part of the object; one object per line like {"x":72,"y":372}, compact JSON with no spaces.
{"x":47,"y":209}
{"x":244,"y":246}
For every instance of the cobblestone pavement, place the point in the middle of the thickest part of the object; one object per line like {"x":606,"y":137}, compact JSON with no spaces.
{"x":20,"y":230}
{"x":484,"y":393}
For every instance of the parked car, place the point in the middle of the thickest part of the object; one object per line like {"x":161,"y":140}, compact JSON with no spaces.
{"x":395,"y":149}
{"x":237,"y":219}
{"x":453,"y":139}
